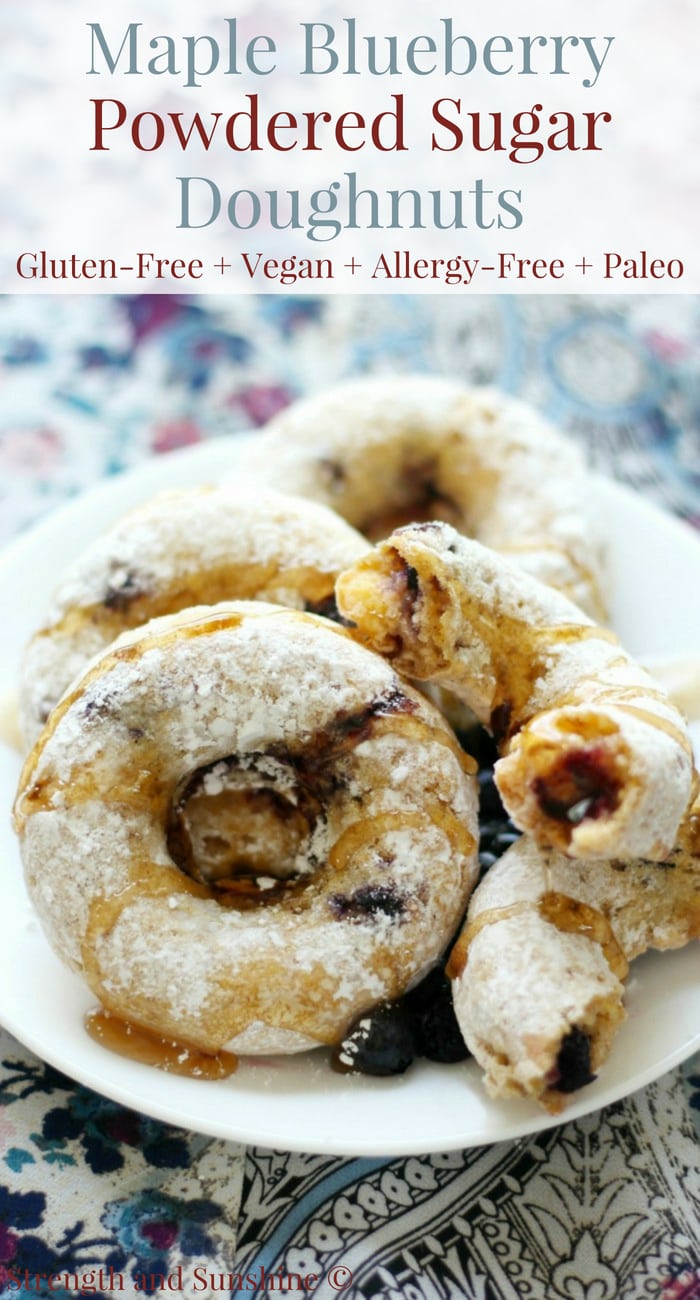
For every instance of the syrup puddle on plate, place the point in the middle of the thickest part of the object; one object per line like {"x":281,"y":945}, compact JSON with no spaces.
{"x":150,"y":1049}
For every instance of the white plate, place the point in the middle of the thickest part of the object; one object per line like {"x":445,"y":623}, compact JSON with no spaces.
{"x":298,"y":1103}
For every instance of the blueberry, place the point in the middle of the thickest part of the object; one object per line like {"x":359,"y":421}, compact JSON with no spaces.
{"x":573,"y":1068}
{"x":326,"y":608}
{"x":490,"y":804}
{"x":438,"y":1036}
{"x":486,"y":859}
{"x":480,"y":744}
{"x":380,"y":1042}
{"x":367,"y":902}
{"x":123,"y":588}
{"x":495,"y":837}
{"x":504,"y":838}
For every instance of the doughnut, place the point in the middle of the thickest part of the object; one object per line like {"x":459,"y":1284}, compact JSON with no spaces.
{"x":538,"y":972}
{"x":595,"y":759}
{"x":389,"y":451}
{"x":337,"y":868}
{"x":182,"y":548}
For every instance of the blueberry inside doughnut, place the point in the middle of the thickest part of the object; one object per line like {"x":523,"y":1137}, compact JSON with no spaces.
{"x":573,"y":1065}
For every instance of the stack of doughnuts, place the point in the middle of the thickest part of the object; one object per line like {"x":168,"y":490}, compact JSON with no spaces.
{"x":246,"y":824}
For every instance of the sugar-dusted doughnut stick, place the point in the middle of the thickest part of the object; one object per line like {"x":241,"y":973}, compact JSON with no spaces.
{"x":387,"y":450}
{"x":538,"y":972}
{"x":596,"y":761}
{"x":181,"y":548}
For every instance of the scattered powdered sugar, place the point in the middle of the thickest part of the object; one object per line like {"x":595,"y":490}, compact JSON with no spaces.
{"x":215,"y":781}
{"x":260,"y":1039}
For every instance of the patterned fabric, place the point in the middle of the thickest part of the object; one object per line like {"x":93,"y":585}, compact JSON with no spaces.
{"x":99,"y":1200}
{"x":555,"y":1215}
{"x":93,"y":1187}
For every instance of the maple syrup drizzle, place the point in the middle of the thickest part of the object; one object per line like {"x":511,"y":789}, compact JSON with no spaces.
{"x":589,"y":691}
{"x":167,"y":1054}
{"x":571,"y":916}
{"x":516,"y":650}
{"x":362,"y":833}
{"x":549,"y":547}
{"x":690,"y":831}
{"x":457,"y":959}
{"x":661,"y":724}
{"x":453,"y":828}
{"x":143,"y":792}
{"x":566,"y":914}
{"x":506,"y":639}
{"x":421,"y":731}
{"x":29,"y":791}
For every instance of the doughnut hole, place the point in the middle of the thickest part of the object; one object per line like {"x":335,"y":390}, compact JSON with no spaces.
{"x":240,"y":830}
{"x":384,"y":525}
{"x":418,"y":500}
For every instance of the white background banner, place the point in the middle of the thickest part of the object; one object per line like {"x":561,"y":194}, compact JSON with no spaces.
{"x":153,"y":146}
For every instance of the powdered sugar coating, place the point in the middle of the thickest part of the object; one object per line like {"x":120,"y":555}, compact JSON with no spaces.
{"x":526,"y":984}
{"x":596,"y":759}
{"x":416,"y":446}
{"x":524,"y":988}
{"x":182,"y":548}
{"x":266,"y":686}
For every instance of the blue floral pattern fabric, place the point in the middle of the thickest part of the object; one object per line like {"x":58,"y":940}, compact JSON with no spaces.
{"x":98,"y":1199}
{"x":96,"y":1191}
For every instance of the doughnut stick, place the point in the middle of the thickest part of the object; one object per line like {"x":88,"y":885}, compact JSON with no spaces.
{"x":538,"y":972}
{"x":387,"y":450}
{"x":595,"y":759}
{"x":182,"y":548}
